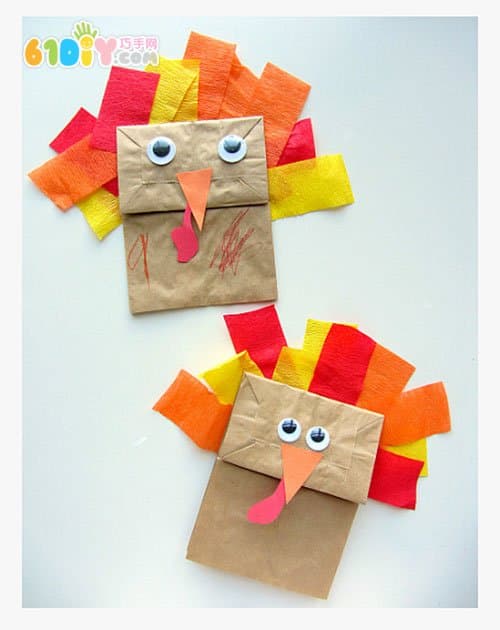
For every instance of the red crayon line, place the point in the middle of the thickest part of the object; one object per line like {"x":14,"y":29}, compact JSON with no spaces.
{"x":143,"y":253}
{"x":231,"y":247}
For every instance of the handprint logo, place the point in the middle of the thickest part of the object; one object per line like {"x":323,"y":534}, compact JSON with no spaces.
{"x":85,"y":34}
{"x":84,"y":29}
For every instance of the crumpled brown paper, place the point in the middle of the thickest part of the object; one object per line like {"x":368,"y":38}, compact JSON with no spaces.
{"x":235,"y":261}
{"x":301,"y":549}
{"x":251,"y":440}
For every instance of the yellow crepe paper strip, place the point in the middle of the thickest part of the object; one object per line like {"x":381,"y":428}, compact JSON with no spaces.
{"x":188,"y":109}
{"x":101,"y":211}
{"x":413,"y":450}
{"x":316,"y":334}
{"x":295,"y":367}
{"x":224,"y":379}
{"x":176,"y":96}
{"x":309,"y":185}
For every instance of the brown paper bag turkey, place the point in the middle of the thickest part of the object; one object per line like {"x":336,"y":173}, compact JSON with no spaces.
{"x":322,"y":450}
{"x":160,"y":168}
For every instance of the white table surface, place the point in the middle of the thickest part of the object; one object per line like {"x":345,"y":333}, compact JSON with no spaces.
{"x":111,"y":489}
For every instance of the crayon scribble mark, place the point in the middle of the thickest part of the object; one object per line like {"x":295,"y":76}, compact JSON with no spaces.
{"x":142,"y":242}
{"x":231,"y":246}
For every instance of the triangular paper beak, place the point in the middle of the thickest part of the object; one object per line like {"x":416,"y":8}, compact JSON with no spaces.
{"x":195,"y":186}
{"x":298,"y":464}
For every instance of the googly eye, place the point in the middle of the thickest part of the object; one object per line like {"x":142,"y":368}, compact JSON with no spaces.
{"x":289,"y":430}
{"x":161,"y":150}
{"x":232,"y":148}
{"x":317,"y":438}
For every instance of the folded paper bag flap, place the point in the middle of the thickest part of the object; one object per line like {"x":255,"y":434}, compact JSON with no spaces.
{"x":251,"y":440}
{"x":148,"y":187}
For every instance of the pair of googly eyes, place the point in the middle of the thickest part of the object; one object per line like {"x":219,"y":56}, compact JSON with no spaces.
{"x":317,"y":438}
{"x":162,"y":150}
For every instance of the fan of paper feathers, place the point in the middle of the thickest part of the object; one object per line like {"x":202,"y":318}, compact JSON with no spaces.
{"x":208,"y":83}
{"x":336,"y":361}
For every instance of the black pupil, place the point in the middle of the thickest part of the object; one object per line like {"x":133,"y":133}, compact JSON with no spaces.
{"x":232,"y":144}
{"x":289,"y":426}
{"x":161,"y":148}
{"x":317,"y":435}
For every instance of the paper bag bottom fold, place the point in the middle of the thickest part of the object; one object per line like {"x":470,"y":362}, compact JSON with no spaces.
{"x":300,"y":551}
{"x":234,"y":264}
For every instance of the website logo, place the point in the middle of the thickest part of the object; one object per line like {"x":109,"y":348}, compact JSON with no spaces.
{"x":87,"y":47}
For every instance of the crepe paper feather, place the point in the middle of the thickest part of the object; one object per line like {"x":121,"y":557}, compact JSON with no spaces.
{"x":340,"y":362}
{"x":326,"y":460}
{"x":210,"y":82}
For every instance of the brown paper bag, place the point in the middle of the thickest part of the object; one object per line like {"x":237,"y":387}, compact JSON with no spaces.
{"x":235,"y":261}
{"x":300,"y":550}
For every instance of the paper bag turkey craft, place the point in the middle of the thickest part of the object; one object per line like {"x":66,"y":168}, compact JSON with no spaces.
{"x":200,"y":202}
{"x":195,"y":157}
{"x":303,"y":436}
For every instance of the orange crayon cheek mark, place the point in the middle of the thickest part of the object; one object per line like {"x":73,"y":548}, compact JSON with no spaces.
{"x":231,"y":247}
{"x":140,"y":242}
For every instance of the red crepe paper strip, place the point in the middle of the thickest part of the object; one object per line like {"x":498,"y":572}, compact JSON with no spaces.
{"x":216,"y":59}
{"x":112,"y":186}
{"x":394,"y":479}
{"x":300,"y":144}
{"x":81,"y":125}
{"x":128,"y":99}
{"x":260,"y":333}
{"x":342,"y":364}
{"x":279,"y":97}
{"x":416,"y":414}
{"x":78,"y":127}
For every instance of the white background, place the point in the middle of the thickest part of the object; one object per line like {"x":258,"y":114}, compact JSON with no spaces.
{"x":111,"y":489}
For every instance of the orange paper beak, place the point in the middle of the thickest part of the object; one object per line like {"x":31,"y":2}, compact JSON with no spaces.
{"x":195,"y":186}
{"x":298,"y":464}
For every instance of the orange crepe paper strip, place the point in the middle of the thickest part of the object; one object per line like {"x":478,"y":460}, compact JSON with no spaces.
{"x":279,"y":97}
{"x":75,"y":173}
{"x":216,"y":58}
{"x":416,"y":413}
{"x":240,"y":87}
{"x":385,"y":378}
{"x":195,"y":409}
